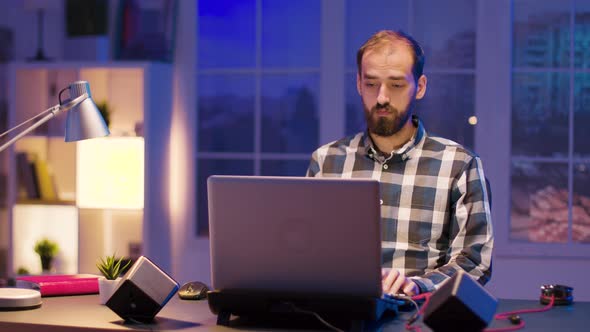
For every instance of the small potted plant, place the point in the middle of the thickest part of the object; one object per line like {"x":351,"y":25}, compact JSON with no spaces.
{"x":47,"y":250}
{"x":105,"y":110}
{"x":110,"y":267}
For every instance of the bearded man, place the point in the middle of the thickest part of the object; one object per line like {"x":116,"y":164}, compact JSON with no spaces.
{"x":435,"y":210}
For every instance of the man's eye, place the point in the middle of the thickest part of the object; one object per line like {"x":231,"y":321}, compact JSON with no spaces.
{"x":370,"y":84}
{"x":397,"y":85}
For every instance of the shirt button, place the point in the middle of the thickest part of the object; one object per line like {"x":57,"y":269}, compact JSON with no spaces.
{"x":385,"y":166}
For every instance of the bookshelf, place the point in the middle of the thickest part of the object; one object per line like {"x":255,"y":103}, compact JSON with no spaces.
{"x":140,"y":96}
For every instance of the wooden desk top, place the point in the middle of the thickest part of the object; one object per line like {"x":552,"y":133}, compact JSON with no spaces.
{"x":75,"y":313}
{"x":84,"y":313}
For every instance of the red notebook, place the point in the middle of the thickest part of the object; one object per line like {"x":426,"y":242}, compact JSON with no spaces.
{"x":56,"y":285}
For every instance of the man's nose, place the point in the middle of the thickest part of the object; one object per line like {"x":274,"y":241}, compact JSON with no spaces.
{"x":382,"y":97}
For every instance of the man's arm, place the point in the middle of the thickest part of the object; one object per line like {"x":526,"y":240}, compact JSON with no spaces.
{"x":470,"y":231}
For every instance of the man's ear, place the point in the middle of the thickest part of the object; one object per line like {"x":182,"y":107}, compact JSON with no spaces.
{"x":358,"y":83}
{"x":421,"y":89}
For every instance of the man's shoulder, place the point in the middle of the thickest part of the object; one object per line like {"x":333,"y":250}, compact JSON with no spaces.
{"x":440,"y":144}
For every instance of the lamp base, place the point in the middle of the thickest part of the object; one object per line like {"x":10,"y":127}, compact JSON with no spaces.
{"x":19,"y":299}
{"x":40,"y":56}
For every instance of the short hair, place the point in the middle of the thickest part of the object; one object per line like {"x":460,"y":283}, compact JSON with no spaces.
{"x":384,"y":37}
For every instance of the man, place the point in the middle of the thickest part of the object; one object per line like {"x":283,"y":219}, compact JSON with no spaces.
{"x":435,"y":211}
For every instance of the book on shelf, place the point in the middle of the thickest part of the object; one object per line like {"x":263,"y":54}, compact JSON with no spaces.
{"x":27,"y":180}
{"x":60,"y":284}
{"x":45,"y":180}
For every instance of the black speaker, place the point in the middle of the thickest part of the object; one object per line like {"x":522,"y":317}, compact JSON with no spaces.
{"x":460,"y":304}
{"x":142,"y":292}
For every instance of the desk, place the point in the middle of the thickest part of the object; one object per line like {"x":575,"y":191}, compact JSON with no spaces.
{"x":83,"y":313}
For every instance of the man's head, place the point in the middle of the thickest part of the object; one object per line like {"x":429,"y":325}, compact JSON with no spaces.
{"x":389,"y":80}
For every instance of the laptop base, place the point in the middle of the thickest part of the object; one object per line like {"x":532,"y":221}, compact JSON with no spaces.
{"x":353,"y":309}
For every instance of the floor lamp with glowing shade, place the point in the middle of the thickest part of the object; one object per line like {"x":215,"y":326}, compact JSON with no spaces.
{"x":110,"y":178}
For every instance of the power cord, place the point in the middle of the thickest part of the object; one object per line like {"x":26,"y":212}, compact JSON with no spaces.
{"x":515,"y":319}
{"x":419,"y":310}
{"x":313,"y":313}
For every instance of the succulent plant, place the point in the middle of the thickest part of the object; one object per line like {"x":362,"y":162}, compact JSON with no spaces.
{"x":111,"y":267}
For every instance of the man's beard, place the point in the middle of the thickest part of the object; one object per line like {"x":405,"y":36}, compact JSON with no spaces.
{"x":386,"y":126}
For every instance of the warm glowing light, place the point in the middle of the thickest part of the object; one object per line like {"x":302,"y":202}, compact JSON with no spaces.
{"x":110,"y":173}
{"x":472,"y":120}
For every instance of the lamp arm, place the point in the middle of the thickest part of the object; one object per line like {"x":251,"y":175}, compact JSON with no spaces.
{"x":27,"y":121}
{"x":52,"y":112}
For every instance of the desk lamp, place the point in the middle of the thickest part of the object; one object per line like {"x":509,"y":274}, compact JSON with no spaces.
{"x":84,"y":120}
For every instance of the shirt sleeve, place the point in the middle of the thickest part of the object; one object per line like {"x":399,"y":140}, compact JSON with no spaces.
{"x":314,"y":165}
{"x":470,"y":231}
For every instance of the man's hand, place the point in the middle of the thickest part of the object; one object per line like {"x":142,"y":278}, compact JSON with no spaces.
{"x":394,"y":282}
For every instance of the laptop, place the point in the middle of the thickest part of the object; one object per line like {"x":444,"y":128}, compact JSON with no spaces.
{"x":296,"y":235}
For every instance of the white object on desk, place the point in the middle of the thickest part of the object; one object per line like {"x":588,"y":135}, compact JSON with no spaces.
{"x":19,"y":299}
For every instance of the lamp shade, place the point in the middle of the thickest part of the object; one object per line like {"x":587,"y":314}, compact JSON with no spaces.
{"x":84,"y":120}
{"x":110,"y":173}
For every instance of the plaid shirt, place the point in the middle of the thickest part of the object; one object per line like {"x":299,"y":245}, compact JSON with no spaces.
{"x":435,"y":211}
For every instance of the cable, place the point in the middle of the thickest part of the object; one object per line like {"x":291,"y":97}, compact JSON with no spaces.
{"x":315,"y":314}
{"x":515,"y":319}
{"x":419,"y":310}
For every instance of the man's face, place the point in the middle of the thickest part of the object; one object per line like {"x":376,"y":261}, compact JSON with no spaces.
{"x":388,"y":89}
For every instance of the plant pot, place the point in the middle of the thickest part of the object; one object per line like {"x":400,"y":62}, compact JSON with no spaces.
{"x":46,"y":263}
{"x":106,"y":288}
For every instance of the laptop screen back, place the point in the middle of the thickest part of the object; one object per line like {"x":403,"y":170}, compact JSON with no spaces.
{"x":295,"y":235}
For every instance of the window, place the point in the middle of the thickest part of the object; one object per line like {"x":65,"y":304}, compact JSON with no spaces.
{"x":550,"y":158}
{"x":450,"y":59}
{"x":258,"y":82}
{"x":259,"y":86}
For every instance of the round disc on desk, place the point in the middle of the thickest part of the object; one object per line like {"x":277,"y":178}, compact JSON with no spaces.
{"x":19,"y":299}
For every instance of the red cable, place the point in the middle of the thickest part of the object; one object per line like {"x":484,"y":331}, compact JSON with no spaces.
{"x":507,"y":315}
{"x":501,"y":316}
{"x":409,"y":324}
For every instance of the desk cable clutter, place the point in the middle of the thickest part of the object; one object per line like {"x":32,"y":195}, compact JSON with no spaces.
{"x":461,"y":304}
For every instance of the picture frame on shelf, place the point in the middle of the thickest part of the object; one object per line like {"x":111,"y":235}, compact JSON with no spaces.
{"x":145,"y":30}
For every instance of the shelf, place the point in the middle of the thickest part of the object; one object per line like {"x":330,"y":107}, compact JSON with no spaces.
{"x":44,"y":202}
{"x":140,"y":95}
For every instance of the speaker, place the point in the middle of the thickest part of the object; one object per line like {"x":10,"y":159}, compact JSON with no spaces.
{"x":460,"y":304}
{"x":142,"y":292}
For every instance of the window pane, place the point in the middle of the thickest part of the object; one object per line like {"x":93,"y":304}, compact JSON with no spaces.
{"x":355,"y":118}
{"x":207,"y":167}
{"x":290,"y":33}
{"x":290,"y":113}
{"x":452,"y":46}
{"x":226,"y":33}
{"x":581,"y":204}
{"x":284,"y":167}
{"x":541,"y":33}
{"x":457,"y":94}
{"x":540,"y":104}
{"x":226,"y":113}
{"x":582,"y":35}
{"x":582,"y":115}
{"x":363,"y":20}
{"x":539,"y":211}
